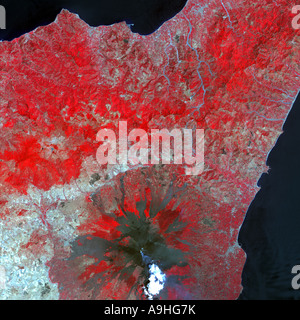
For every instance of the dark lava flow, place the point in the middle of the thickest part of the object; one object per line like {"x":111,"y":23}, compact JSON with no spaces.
{"x":140,"y":245}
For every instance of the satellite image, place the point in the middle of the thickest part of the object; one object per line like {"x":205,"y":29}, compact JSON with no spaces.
{"x":149,"y":150}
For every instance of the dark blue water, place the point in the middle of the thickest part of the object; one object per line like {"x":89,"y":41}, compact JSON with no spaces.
{"x":270,"y":234}
{"x":143,"y":16}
